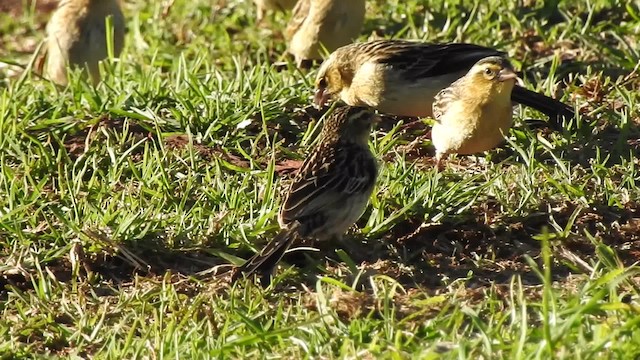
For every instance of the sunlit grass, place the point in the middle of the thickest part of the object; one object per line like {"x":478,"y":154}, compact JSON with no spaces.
{"x":114,"y":199}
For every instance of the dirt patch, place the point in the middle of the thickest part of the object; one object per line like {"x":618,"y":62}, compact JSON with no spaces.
{"x":178,"y":143}
{"x":484,"y":248}
{"x":494,"y":247}
{"x":181,"y":142}
{"x":80,"y":141}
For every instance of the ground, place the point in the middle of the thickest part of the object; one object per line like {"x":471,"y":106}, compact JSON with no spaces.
{"x":119,"y":203}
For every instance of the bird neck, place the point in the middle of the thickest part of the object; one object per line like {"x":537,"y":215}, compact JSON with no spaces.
{"x":347,"y":140}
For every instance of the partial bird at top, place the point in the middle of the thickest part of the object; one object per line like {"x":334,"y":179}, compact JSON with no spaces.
{"x":77,"y":37}
{"x":262,"y":6}
{"x":319,"y":25}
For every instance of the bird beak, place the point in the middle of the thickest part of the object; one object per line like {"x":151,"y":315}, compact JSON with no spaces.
{"x":320,"y":97}
{"x":506,"y":74}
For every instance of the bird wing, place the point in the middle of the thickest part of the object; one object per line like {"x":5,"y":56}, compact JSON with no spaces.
{"x":444,"y":98}
{"x":423,"y":60}
{"x":331,"y":175}
{"x":326,"y":178}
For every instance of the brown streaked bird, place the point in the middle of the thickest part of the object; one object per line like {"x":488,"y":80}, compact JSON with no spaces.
{"x":317,"y":25}
{"x":263,"y":6}
{"x":76,"y":37}
{"x":474,"y":113}
{"x":330,"y":191}
{"x":402,"y":77}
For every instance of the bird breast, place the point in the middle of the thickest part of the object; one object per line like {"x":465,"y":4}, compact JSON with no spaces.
{"x":468,"y":131}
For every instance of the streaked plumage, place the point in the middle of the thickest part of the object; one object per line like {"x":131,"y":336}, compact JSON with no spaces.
{"x":323,"y":24}
{"x":76,"y":36}
{"x":402,"y":77}
{"x":330,"y":191}
{"x":473,"y":114}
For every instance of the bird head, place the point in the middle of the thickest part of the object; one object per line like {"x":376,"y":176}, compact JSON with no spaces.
{"x":494,"y":74}
{"x":334,"y":75}
{"x":350,"y":124}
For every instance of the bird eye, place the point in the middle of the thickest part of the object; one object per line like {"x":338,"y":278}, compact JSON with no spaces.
{"x":488,"y":72}
{"x":322,"y":83}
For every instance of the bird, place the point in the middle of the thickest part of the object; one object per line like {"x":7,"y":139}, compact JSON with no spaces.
{"x":330,"y":191}
{"x":264,"y":5}
{"x":402,"y":77}
{"x":317,"y":25}
{"x":473,"y":114}
{"x":76,"y":36}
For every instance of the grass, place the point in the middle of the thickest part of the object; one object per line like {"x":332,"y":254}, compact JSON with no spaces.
{"x":115,"y":199}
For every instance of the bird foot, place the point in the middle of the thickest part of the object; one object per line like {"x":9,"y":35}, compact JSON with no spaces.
{"x":410,"y":147}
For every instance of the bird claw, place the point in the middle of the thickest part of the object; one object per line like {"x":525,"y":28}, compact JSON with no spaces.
{"x":410,"y":147}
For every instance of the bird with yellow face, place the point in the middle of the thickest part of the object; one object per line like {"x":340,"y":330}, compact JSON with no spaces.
{"x":474,"y":113}
{"x":402,"y":77}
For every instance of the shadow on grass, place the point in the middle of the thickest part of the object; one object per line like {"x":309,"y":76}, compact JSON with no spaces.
{"x":117,"y":266}
{"x":481,"y":247}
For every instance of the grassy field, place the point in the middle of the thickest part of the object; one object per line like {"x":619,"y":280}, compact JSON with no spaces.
{"x":115,"y":201}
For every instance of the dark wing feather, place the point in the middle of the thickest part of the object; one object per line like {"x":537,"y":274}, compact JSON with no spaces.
{"x":422,"y":60}
{"x":329,"y":175}
{"x":554,"y":109}
{"x":445,"y":97}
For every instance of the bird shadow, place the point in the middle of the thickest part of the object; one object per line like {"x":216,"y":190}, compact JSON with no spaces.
{"x":482,"y":247}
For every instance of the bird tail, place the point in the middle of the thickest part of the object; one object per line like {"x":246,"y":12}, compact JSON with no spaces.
{"x":554,"y":109}
{"x":266,"y":260}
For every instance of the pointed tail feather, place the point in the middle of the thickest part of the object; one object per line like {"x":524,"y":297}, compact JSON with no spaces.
{"x":556,"y":110}
{"x":266,"y":260}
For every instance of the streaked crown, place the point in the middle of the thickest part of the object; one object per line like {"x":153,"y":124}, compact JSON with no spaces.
{"x":349,"y":123}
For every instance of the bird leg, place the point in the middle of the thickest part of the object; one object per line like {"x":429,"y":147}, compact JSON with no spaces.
{"x":413,"y":144}
{"x":439,"y":164}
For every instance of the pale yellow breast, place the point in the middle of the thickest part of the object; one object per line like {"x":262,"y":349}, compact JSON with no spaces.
{"x":468,"y":131}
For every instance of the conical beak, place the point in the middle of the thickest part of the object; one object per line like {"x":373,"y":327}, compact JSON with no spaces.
{"x":506,"y":74}
{"x":320,"y":97}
